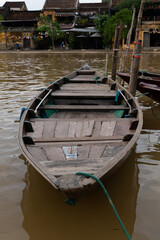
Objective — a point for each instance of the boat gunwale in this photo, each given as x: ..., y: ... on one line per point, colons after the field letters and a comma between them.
x: 120, y: 157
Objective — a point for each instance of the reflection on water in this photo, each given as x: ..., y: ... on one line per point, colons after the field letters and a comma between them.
x: 46, y: 214
x: 30, y: 208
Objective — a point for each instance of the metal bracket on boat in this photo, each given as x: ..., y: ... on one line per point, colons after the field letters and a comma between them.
x: 66, y: 80
x: 128, y: 137
x: 134, y: 125
x: 31, y: 113
x: 49, y: 91
x: 56, y: 86
x: 28, y: 126
x: 104, y: 80
x: 28, y: 140
x: 113, y: 86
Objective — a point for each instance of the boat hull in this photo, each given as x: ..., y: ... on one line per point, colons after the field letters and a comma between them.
x: 145, y: 84
x: 80, y: 123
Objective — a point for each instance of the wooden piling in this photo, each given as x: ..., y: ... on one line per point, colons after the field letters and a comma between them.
x: 136, y: 54
x: 106, y: 73
x: 117, y: 39
x: 135, y: 68
x: 129, y: 39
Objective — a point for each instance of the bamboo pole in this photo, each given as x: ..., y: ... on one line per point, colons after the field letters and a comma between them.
x: 135, y: 56
x: 117, y: 39
x: 128, y: 41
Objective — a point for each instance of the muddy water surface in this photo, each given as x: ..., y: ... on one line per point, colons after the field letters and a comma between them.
x: 30, y: 208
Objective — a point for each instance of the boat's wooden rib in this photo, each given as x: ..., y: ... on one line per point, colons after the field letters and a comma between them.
x: 77, y: 124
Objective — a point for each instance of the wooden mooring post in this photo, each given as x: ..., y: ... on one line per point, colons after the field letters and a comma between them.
x: 106, y: 73
x: 136, y: 54
x: 117, y: 39
x: 129, y: 39
x: 135, y: 68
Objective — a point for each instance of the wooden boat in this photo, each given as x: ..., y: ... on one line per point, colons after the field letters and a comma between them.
x: 152, y: 90
x: 80, y: 123
x: 145, y: 82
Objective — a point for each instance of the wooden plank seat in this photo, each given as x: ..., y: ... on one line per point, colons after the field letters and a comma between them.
x: 84, y: 95
x: 84, y: 107
x: 125, y: 120
x: 85, y: 81
x: 79, y: 139
x: 84, y: 87
x: 86, y: 72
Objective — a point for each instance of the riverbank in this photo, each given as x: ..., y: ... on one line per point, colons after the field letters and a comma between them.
x: 78, y: 51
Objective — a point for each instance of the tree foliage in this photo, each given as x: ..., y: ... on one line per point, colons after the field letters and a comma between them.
x: 100, y: 22
x: 1, y: 27
x: 107, y: 24
x: 129, y: 4
x: 51, y: 28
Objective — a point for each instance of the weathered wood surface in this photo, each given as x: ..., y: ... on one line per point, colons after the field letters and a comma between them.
x: 82, y: 134
x: 79, y: 139
x: 68, y: 128
x: 84, y: 87
x: 93, y: 94
x: 84, y: 107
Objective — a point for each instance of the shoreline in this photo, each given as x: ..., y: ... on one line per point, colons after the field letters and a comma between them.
x: 76, y: 51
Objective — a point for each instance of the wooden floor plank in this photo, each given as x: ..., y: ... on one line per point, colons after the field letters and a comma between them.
x: 54, y: 153
x: 75, y: 129
x: 107, y: 128
x: 96, y: 151
x: 87, y: 128
x: 61, y: 130
x: 38, y: 130
x: 49, y: 130
x: 71, y: 167
x: 83, y: 152
x: 37, y: 153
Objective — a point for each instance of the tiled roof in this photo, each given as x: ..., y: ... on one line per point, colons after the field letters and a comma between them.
x: 4, y: 11
x: 98, y: 7
x: 60, y: 4
x: 14, y: 4
x: 23, y: 16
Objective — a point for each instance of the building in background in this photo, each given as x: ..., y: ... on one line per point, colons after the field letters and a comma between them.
x: 16, y: 6
x: 76, y: 19
x: 150, y: 28
x: 18, y: 26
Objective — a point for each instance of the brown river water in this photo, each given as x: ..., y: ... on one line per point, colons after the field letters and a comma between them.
x: 29, y: 207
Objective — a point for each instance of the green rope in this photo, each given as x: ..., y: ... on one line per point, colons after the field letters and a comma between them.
x: 153, y: 113
x: 142, y: 94
x: 96, y: 79
x: 70, y: 202
x: 110, y: 201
